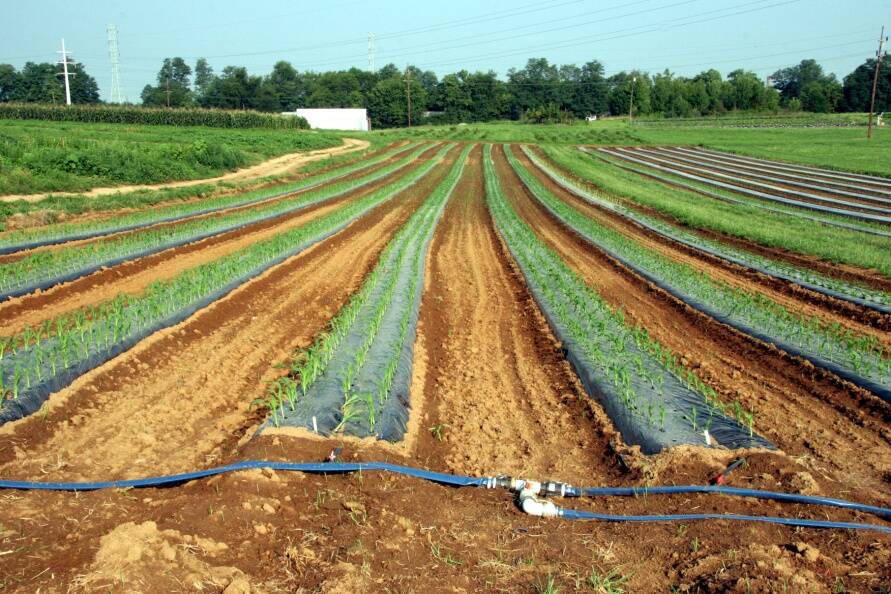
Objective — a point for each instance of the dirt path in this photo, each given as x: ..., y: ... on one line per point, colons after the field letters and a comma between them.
x: 180, y: 399
x: 806, y: 413
x: 275, y: 166
x: 495, y: 383
x: 134, y: 276
x: 790, y: 296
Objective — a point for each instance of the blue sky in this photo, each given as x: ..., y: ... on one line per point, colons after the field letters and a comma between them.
x: 685, y: 36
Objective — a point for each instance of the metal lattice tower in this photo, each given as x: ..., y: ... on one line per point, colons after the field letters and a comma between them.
x: 371, y: 52
x: 114, y: 57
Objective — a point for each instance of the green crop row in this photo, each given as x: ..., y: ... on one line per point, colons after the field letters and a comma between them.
x: 368, y: 308
x: 748, y: 222
x: 119, y: 114
x: 776, y: 267
x: 71, y: 339
x: 149, y: 216
x: 46, y: 265
x: 860, y: 353
x: 624, y: 356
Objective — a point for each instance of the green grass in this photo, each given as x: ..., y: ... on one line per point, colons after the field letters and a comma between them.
x: 833, y: 147
x: 42, y: 156
x: 773, y: 230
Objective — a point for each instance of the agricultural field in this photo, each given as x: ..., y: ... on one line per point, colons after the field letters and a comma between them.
x: 498, y: 358
x: 38, y: 156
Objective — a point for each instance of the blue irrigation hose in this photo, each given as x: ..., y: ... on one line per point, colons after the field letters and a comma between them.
x: 573, y: 514
x: 758, y: 494
x: 309, y: 467
x: 487, y: 482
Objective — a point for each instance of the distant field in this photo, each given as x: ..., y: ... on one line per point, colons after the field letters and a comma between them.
x: 43, y: 156
x: 837, y: 147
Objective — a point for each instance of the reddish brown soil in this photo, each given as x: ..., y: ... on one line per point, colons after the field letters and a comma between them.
x: 203, y: 375
x: 134, y: 276
x: 499, y: 395
x: 871, y: 278
x: 789, y: 295
x: 275, y: 532
x: 796, y: 407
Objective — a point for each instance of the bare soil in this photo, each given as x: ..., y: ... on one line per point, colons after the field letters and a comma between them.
x: 180, y: 401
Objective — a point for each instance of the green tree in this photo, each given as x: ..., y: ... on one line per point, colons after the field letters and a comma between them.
x: 203, y: 76
x: 857, y: 87
x: 535, y: 85
x: 619, y: 98
x: 233, y: 89
x: 173, y: 88
x: 791, y: 82
x: 9, y: 82
x: 388, y: 102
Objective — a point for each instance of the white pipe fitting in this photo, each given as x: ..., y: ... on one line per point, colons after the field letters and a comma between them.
x: 534, y: 506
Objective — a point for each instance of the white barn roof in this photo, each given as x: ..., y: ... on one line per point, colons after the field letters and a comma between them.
x: 334, y: 118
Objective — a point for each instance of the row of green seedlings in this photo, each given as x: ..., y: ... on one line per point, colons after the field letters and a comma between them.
x: 863, y: 354
x: 149, y: 216
x: 35, y: 354
x: 307, y: 365
x: 414, y: 235
x: 727, y: 251
x: 602, y: 333
x: 46, y: 265
x: 744, y: 199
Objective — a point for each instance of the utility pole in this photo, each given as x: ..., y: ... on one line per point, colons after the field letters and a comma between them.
x: 880, y: 55
x: 408, y: 92
x: 64, y: 63
x: 114, y: 58
x: 631, y: 101
x: 371, y: 52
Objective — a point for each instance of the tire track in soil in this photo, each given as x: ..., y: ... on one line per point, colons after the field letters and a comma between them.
x: 134, y: 276
x: 6, y: 258
x: 793, y: 298
x: 808, y: 414
x: 871, y: 278
x: 179, y: 400
x: 494, y: 378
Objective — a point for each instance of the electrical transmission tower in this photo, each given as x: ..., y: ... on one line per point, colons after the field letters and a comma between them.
x: 371, y: 52
x: 64, y: 62
x: 114, y: 57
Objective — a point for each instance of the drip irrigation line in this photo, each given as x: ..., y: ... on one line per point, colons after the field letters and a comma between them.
x: 455, y: 480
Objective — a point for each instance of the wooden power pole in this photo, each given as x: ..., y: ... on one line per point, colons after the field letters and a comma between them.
x: 880, y: 55
x: 408, y: 93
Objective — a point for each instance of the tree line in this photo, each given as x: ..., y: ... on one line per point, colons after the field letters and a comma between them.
x: 540, y: 91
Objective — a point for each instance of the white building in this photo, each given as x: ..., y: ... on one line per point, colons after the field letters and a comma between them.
x: 334, y: 118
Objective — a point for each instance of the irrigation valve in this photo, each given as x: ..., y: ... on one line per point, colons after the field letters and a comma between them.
x: 527, y: 492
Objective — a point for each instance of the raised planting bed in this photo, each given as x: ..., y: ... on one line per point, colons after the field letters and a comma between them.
x: 846, y: 209
x: 729, y: 197
x: 810, y: 279
x: 45, y: 269
x: 859, y: 359
x: 26, y: 239
x: 654, y: 402
x: 355, y: 378
x: 39, y: 362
